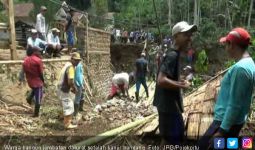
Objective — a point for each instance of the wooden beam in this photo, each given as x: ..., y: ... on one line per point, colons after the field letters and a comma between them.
x: 87, y: 37
x: 99, y: 52
x: 12, y: 31
x: 44, y: 60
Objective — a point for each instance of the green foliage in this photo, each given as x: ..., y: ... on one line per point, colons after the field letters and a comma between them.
x: 197, y: 81
x: 229, y: 63
x: 80, y: 4
x: 201, y: 65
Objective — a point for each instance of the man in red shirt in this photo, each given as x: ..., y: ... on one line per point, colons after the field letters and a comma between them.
x: 33, y: 68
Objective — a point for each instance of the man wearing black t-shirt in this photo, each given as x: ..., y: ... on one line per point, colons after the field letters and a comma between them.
x: 168, y: 99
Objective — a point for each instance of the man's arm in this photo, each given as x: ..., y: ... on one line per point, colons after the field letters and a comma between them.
x: 41, y: 71
x: 29, y: 43
x: 71, y: 79
x: 166, y: 71
x: 58, y: 41
x: 165, y: 82
x: 49, y: 41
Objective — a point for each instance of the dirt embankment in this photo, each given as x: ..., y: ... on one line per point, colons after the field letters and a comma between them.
x: 125, y: 55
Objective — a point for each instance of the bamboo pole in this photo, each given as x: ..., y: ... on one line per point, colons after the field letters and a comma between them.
x: 114, y: 132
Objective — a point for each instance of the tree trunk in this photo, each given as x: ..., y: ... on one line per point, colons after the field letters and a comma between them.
x: 188, y: 11
x: 170, y: 13
x: 228, y: 15
x: 196, y: 12
x: 250, y: 12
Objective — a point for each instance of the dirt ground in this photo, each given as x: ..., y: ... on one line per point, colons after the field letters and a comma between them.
x: 19, y: 127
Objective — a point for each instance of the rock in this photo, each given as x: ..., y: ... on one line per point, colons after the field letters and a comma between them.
x: 98, y: 108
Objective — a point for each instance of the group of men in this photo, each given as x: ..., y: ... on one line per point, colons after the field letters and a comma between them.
x: 49, y: 44
x: 234, y: 98
x: 71, y: 80
x: 232, y: 103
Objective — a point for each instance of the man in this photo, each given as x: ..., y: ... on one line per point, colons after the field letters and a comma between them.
x: 41, y: 24
x: 34, y: 41
x: 168, y: 99
x: 120, y: 82
x: 235, y: 95
x: 188, y: 73
x: 53, y: 41
x: 33, y: 69
x: 65, y: 86
x: 190, y: 56
x: 69, y: 28
x: 79, y: 83
x: 141, y: 71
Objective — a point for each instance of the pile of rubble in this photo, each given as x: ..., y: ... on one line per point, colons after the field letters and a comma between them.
x: 121, y: 110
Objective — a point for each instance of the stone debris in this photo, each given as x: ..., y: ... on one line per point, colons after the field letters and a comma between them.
x: 123, y: 109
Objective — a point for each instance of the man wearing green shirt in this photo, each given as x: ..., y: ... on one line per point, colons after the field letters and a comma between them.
x: 235, y: 95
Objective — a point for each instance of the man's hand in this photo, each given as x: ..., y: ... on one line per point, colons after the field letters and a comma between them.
x: 184, y: 84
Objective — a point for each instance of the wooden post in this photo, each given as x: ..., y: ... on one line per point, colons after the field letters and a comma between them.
x: 87, y: 37
x: 12, y: 30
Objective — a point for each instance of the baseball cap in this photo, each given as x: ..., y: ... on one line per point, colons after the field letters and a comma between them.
x: 238, y: 36
x: 55, y: 29
x: 43, y: 8
x: 187, y: 67
x: 143, y: 54
x: 75, y: 56
x: 33, y: 31
x: 183, y: 26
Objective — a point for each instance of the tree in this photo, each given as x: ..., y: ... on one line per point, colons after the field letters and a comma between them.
x: 170, y: 13
x: 250, y: 12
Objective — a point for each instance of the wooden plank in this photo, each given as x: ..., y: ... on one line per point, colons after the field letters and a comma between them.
x: 44, y: 60
x: 3, y: 28
x: 87, y: 37
x: 98, y: 30
x: 3, y: 24
x: 12, y: 32
x: 99, y: 52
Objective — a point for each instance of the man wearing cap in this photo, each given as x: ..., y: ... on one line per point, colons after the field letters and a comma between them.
x: 79, y: 95
x: 33, y: 69
x: 41, y: 24
x: 140, y: 73
x: 54, y: 47
x: 235, y: 96
x: 34, y: 41
x: 168, y: 98
x: 69, y: 28
x: 64, y: 88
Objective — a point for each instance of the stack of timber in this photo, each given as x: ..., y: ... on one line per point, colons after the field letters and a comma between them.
x: 199, y: 107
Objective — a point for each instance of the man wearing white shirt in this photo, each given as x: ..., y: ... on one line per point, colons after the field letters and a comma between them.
x: 35, y: 42
x: 41, y: 24
x: 120, y: 83
x: 54, y: 47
